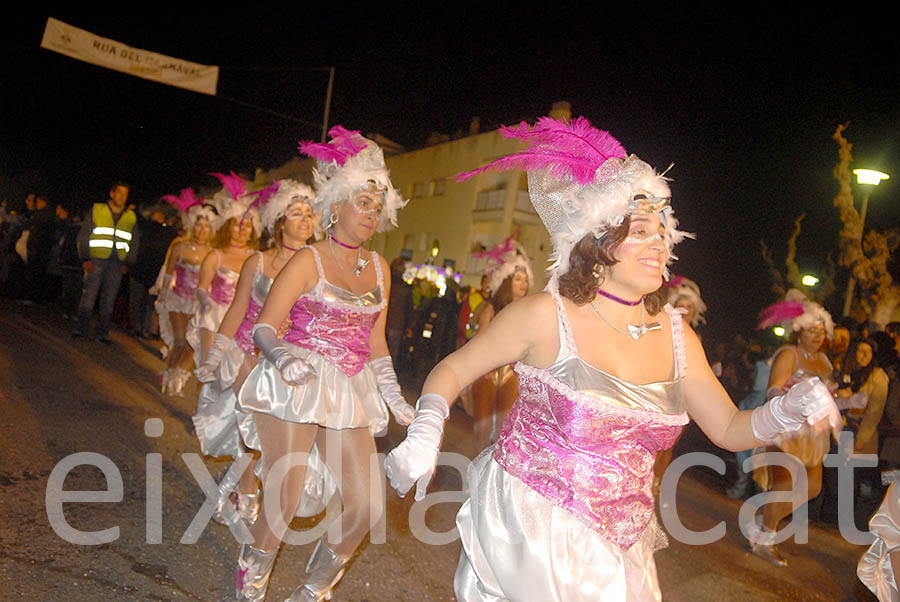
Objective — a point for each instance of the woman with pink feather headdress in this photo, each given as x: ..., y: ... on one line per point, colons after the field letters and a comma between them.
x: 803, y: 360
x: 561, y: 507
x: 509, y: 276
x: 328, y: 384
x: 177, y: 299
x: 286, y: 216
x: 237, y: 236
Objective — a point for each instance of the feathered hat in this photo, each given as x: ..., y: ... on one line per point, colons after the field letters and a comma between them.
x: 797, y: 313
x: 191, y: 208
x: 346, y: 165
x: 286, y: 193
x: 233, y: 201
x: 502, y: 262
x: 581, y: 181
x: 679, y: 287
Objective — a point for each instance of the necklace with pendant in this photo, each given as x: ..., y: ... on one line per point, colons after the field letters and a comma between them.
x: 360, y: 262
x: 808, y: 355
x: 633, y: 331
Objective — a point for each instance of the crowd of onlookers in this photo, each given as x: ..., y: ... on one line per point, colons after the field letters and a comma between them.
x: 865, y: 360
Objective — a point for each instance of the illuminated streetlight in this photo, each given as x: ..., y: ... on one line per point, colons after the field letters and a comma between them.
x: 870, y: 178
x: 779, y: 331
x: 809, y: 280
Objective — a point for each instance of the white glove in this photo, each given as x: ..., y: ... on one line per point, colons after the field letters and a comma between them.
x: 414, y: 460
x: 206, y: 373
x: 390, y: 390
x: 204, y: 299
x: 807, y: 402
x: 166, y: 288
x: 294, y: 370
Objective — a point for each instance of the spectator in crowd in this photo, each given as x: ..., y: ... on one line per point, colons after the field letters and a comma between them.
x: 399, y: 314
x: 70, y: 265
x: 43, y: 233
x: 107, y: 244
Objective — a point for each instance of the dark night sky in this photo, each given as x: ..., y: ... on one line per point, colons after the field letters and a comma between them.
x: 744, y: 107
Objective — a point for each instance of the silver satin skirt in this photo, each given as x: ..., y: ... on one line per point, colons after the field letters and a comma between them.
x: 176, y: 304
x: 332, y: 399
x: 214, y: 420
x: 519, y: 547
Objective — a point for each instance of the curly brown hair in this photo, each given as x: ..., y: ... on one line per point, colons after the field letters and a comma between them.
x: 579, y: 284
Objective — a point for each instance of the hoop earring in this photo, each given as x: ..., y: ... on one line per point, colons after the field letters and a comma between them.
x: 332, y: 220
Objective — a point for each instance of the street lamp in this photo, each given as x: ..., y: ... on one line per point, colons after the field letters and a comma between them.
x: 870, y: 178
x: 809, y: 280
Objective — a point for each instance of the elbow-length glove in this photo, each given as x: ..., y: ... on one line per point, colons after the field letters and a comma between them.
x: 206, y: 373
x: 807, y: 402
x: 390, y: 390
x: 165, y: 288
x: 414, y: 460
x: 294, y: 370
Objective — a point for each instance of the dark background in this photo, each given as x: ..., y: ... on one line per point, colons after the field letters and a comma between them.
x: 745, y: 106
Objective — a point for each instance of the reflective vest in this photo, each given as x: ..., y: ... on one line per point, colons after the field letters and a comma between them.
x: 108, y: 234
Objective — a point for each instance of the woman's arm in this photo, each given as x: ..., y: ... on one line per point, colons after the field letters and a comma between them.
x: 709, y: 404
x: 783, y: 366
x: 516, y: 333
x: 208, y: 270
x: 238, y: 308
x: 173, y: 254
x: 876, y: 387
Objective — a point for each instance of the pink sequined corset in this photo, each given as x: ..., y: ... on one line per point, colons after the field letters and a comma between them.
x: 221, y: 290
x: 186, y: 277
x: 243, y: 336
x: 589, y: 456
x: 340, y: 335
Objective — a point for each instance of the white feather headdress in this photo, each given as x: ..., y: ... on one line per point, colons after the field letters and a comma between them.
x: 288, y: 193
x: 502, y: 262
x: 581, y: 181
x: 233, y: 201
x: 346, y: 165
x: 679, y: 288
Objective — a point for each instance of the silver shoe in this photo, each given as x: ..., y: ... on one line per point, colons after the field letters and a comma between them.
x: 323, y: 571
x: 248, y: 506
x: 252, y: 576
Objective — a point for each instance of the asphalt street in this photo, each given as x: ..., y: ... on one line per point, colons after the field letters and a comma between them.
x: 61, y: 396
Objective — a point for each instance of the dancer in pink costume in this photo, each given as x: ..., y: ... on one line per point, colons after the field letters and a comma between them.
x: 509, y: 276
x: 287, y: 217
x: 177, y: 300
x: 324, y: 387
x: 237, y: 236
x: 561, y: 506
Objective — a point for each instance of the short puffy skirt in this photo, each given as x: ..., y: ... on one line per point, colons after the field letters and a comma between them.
x: 176, y: 304
x: 214, y: 421
x: 208, y: 319
x: 332, y: 399
x: 519, y: 546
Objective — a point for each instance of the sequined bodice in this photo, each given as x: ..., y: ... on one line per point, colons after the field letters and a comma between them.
x: 336, y: 323
x: 261, y: 285
x: 587, y: 440
x: 186, y: 278
x: 223, y: 284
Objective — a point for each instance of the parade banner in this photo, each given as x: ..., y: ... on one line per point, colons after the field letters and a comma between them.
x: 85, y: 46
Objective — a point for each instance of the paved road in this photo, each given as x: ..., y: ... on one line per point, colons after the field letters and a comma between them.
x: 59, y: 396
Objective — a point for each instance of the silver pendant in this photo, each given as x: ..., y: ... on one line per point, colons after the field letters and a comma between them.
x: 637, y: 332
x: 360, y: 266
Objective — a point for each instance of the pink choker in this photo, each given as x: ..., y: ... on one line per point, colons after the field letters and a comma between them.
x: 603, y: 293
x: 346, y: 246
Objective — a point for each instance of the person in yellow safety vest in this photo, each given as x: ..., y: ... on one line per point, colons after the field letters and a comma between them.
x: 107, y: 245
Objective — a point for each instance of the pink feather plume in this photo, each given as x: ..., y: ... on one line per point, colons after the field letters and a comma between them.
x: 344, y: 144
x: 779, y: 313
x: 674, y: 280
x: 233, y: 183
x: 263, y: 196
x: 574, y: 149
x: 184, y: 201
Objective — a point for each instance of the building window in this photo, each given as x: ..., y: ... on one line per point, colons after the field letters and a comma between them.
x: 421, y: 189
x: 489, y: 200
x: 438, y: 187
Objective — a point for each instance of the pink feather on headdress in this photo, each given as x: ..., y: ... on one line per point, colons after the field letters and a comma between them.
x: 576, y: 149
x: 779, y: 313
x: 674, y: 280
x: 263, y: 196
x: 184, y: 201
x: 233, y: 183
x: 344, y: 144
